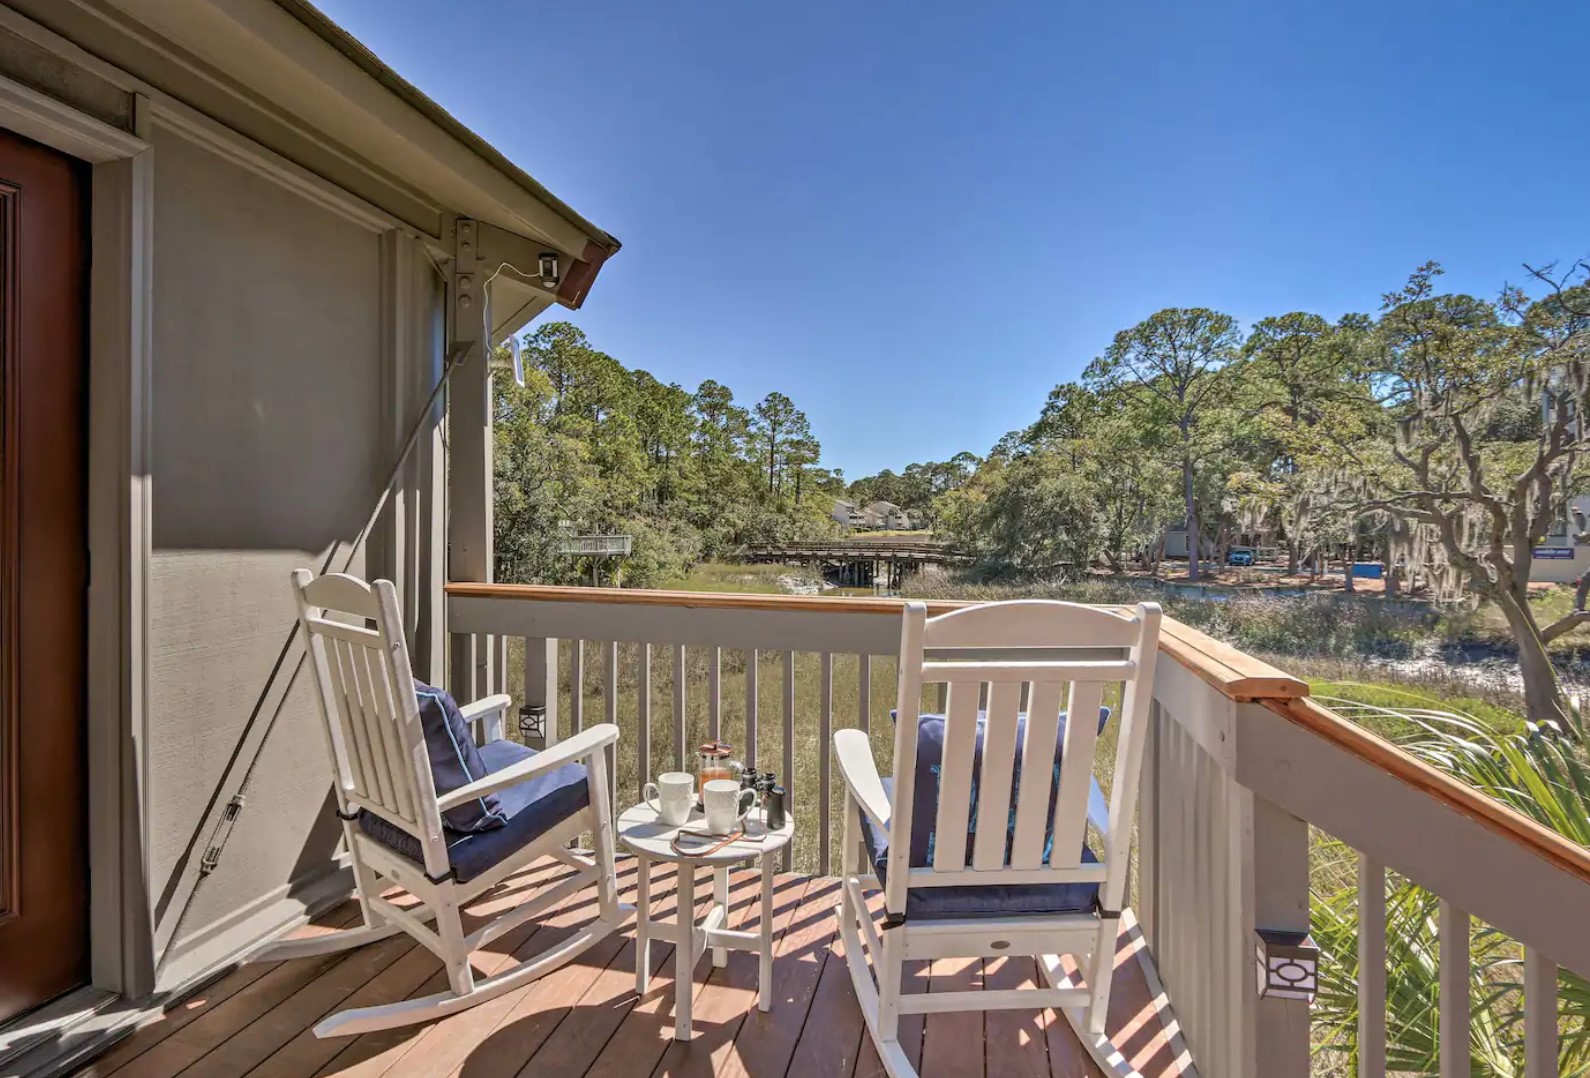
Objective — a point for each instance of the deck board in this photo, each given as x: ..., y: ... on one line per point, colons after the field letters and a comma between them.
x: 727, y: 997
x: 585, y: 1018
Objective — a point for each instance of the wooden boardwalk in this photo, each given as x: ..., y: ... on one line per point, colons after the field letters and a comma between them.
x: 585, y: 1018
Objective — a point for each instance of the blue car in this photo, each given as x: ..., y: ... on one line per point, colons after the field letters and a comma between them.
x: 1240, y: 556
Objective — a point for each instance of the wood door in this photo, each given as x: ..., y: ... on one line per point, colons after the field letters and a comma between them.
x: 43, y: 575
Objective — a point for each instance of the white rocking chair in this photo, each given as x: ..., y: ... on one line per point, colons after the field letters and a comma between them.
x: 990, y: 860
x: 392, y: 816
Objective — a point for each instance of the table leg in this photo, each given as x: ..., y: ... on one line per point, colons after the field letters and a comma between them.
x: 642, y: 924
x: 720, y: 895
x: 764, y: 972
x: 685, y: 951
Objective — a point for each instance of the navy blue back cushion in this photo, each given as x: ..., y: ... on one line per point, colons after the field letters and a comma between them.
x: 925, y: 789
x: 455, y: 761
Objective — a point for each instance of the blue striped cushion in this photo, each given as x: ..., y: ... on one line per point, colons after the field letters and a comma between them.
x: 925, y: 790
x: 455, y: 761
x: 980, y: 900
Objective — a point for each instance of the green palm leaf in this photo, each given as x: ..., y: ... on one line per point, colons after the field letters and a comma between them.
x: 1542, y: 774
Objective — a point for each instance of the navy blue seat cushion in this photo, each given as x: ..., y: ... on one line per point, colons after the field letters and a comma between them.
x: 455, y: 761
x: 972, y: 901
x: 529, y: 809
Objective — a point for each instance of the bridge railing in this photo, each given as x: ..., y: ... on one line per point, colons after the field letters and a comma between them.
x: 861, y: 549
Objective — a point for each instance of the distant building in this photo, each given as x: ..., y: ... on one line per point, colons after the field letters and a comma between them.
x: 1564, y: 554
x: 878, y: 516
x: 1176, y: 542
x: 887, y: 515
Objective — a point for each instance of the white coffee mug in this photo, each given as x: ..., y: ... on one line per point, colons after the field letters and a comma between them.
x: 726, y: 805
x: 671, y: 796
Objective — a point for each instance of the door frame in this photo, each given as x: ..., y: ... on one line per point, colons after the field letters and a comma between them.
x: 121, y: 220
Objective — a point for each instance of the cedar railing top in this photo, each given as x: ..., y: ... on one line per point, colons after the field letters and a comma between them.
x: 1236, y: 675
x: 1484, y: 810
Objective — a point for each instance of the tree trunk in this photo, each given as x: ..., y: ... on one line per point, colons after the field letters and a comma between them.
x: 1543, y: 699
x: 1192, y: 516
x: 1293, y: 552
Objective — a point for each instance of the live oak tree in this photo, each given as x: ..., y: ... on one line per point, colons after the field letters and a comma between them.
x: 1297, y: 376
x: 1479, y: 427
x: 1173, y: 359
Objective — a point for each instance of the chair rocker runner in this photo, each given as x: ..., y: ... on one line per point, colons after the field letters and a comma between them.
x: 980, y: 841
x: 501, y: 807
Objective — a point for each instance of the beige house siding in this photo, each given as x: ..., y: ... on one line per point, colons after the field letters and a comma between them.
x: 274, y: 254
x: 266, y: 447
x: 183, y: 76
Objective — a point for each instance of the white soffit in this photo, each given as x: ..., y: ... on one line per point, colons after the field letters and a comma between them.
x: 276, y: 56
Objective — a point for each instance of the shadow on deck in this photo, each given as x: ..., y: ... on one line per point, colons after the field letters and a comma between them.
x: 585, y: 1019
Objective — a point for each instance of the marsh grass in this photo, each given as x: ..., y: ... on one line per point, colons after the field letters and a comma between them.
x: 1321, y: 625
x: 723, y: 577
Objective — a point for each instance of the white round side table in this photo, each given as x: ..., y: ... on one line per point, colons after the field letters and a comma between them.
x: 649, y: 839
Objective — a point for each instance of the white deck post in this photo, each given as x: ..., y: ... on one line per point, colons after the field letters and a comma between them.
x: 541, y: 686
x: 469, y: 448
x: 1280, y: 903
x: 406, y: 546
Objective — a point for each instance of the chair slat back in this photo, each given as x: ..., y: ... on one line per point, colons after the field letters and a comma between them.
x: 368, y: 704
x: 1010, y: 670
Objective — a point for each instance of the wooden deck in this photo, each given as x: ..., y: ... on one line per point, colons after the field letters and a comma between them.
x: 585, y: 1018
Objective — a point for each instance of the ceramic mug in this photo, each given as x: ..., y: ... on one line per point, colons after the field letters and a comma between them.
x: 726, y: 804
x: 671, y: 796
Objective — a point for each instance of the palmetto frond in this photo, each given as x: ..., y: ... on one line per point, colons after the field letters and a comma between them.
x: 1543, y: 774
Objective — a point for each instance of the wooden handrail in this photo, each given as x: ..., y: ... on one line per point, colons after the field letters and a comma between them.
x: 1237, y: 676
x: 692, y: 600
x: 1484, y: 810
x: 1235, y: 673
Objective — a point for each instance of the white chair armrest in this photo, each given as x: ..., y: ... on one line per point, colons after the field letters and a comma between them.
x: 853, y: 754
x: 583, y: 744
x: 1098, y: 811
x: 489, y: 712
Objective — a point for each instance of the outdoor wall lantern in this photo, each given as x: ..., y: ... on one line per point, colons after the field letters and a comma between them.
x: 533, y: 723
x: 549, y: 269
x: 1288, y: 965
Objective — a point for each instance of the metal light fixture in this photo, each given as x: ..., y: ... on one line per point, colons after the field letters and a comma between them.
x: 550, y: 277
x: 1288, y: 965
x: 533, y: 724
x: 516, y: 353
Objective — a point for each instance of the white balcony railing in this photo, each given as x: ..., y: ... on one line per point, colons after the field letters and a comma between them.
x: 1240, y: 765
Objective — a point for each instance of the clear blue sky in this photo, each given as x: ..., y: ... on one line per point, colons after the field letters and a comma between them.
x: 916, y: 218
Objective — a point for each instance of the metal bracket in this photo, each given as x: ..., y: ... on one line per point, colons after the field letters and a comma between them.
x: 468, y: 293
x: 223, y: 831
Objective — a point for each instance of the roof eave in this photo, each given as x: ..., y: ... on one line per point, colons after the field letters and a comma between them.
x: 604, y: 244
